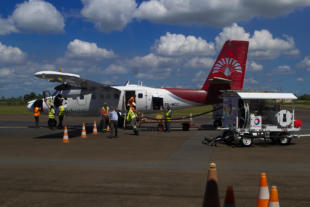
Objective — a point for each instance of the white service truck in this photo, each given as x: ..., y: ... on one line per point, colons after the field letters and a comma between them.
x: 259, y: 115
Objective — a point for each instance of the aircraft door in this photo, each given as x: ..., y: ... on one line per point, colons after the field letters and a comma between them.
x: 141, y: 100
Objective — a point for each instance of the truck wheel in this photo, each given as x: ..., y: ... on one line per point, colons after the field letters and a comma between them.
x: 246, y: 142
x: 284, y: 141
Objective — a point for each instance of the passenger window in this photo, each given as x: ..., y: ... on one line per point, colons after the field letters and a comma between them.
x: 140, y: 95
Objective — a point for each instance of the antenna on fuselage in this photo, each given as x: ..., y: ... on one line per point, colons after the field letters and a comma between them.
x: 126, y: 83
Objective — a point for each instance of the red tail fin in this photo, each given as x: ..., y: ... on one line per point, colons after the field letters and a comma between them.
x: 229, y: 68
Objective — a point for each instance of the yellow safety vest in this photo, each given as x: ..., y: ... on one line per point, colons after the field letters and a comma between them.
x: 169, y: 115
x: 130, y: 115
x: 51, y: 114
x: 61, y: 111
x: 105, y: 111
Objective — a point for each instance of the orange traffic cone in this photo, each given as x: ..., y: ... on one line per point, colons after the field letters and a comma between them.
x: 83, y: 135
x: 108, y: 128
x: 274, y: 197
x: 263, y: 193
x: 211, y: 196
x: 229, y: 198
x: 95, y: 128
x: 65, y: 138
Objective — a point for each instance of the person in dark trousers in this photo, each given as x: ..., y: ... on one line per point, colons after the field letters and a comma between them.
x: 36, y: 114
x: 168, y: 116
x: 113, y: 120
x: 51, y: 118
x: 105, y: 117
x: 61, y: 115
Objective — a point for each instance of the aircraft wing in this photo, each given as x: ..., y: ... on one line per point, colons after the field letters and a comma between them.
x: 73, y: 80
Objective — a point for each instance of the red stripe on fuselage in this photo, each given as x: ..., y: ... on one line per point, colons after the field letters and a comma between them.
x: 194, y: 95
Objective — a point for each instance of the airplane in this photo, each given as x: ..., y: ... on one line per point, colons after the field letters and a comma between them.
x: 85, y: 98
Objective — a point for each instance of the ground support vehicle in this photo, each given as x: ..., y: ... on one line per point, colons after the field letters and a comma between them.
x: 259, y: 115
x: 187, y: 122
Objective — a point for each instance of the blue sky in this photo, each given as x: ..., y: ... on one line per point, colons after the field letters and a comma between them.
x: 170, y: 43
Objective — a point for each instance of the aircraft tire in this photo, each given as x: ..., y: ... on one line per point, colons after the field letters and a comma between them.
x: 285, y: 141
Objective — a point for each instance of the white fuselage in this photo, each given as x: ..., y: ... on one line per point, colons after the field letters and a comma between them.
x: 147, y: 99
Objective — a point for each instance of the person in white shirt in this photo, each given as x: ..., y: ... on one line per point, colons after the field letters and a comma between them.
x: 113, y: 121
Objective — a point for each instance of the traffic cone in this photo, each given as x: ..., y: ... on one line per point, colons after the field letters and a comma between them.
x: 274, y: 197
x: 65, y: 138
x: 95, y: 128
x: 211, y: 196
x: 263, y: 193
x: 229, y: 198
x: 83, y: 135
x: 108, y: 128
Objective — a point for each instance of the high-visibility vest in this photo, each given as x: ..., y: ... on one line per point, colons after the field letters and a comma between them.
x: 169, y: 115
x: 51, y: 114
x: 130, y: 115
x: 61, y: 111
x: 36, y: 111
x: 105, y: 111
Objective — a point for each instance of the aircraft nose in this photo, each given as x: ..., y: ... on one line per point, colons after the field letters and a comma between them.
x: 30, y: 105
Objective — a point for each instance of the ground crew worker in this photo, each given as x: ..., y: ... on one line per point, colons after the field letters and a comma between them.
x: 131, y: 102
x: 61, y: 115
x: 168, y: 116
x: 132, y: 118
x: 51, y: 117
x: 113, y: 121
x: 36, y: 114
x: 105, y: 117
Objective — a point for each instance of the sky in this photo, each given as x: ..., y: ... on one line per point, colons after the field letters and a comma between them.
x: 163, y: 43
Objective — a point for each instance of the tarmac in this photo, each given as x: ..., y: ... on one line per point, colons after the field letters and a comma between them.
x: 153, y: 169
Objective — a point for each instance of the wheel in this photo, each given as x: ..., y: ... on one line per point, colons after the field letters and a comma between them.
x: 160, y: 127
x: 246, y: 142
x: 217, y: 123
x: 185, y: 126
x: 284, y: 141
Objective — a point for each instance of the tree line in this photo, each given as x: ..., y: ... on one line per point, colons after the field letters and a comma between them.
x: 21, y: 100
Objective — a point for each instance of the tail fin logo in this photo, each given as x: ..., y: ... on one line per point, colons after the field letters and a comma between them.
x: 227, y: 66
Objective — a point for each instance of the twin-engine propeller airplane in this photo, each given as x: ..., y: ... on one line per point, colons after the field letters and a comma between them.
x: 85, y: 97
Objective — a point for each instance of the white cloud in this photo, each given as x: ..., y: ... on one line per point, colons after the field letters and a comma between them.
x: 197, y: 62
x: 11, y: 55
x: 200, y: 77
x: 262, y: 43
x: 181, y: 45
x: 7, y: 26
x: 283, y: 70
x: 109, y: 15
x: 250, y: 81
x: 5, y: 72
x: 305, y: 63
x: 300, y: 79
x: 82, y: 49
x: 38, y: 16
x: 253, y: 66
x: 153, y: 61
x: 213, y: 12
x: 116, y: 69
